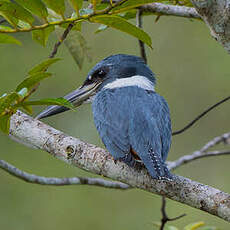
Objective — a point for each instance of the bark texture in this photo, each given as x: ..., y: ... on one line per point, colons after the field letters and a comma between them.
x: 97, y: 160
x: 216, y: 14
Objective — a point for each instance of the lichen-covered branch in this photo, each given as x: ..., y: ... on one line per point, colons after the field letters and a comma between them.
x: 167, y: 9
x: 171, y: 10
x: 224, y: 138
x: 203, y: 152
x: 31, y: 178
x: 97, y: 160
x: 195, y: 156
x: 216, y: 14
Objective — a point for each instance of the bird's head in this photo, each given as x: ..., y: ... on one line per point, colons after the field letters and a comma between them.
x: 114, y: 71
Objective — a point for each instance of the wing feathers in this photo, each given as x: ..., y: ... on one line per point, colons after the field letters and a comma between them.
x: 131, y: 118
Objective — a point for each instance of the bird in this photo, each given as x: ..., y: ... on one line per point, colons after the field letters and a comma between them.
x: 133, y: 121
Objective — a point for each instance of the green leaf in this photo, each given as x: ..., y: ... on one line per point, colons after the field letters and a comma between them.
x: 42, y: 67
x: 23, y: 92
x: 7, y: 101
x: 41, y: 36
x: 77, y: 46
x: 85, y: 11
x: 14, y: 11
x: 31, y: 81
x: 3, y: 95
x: 58, y: 6
x: 5, y: 38
x: 124, y: 26
x: 49, y: 101
x: 130, y: 5
x: 102, y: 6
x: 53, y: 16
x: 23, y: 24
x: 76, y: 4
x: 4, y: 12
x: 5, y: 123
x: 194, y: 226
x: 101, y: 28
x: 7, y: 28
x: 36, y: 7
x: 94, y: 3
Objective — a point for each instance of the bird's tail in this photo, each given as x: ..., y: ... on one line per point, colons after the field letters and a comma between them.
x: 156, y: 167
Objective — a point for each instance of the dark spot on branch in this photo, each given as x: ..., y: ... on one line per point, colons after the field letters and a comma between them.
x: 70, y: 151
x: 202, y: 205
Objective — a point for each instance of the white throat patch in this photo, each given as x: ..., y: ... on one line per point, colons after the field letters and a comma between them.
x: 137, y: 80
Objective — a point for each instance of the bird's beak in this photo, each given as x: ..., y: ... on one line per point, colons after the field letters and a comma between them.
x: 77, y: 97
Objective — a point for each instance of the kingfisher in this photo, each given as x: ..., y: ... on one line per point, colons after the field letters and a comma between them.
x: 132, y: 120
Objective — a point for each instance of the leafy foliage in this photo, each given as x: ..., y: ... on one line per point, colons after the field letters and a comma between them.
x: 9, y: 103
x: 36, y: 7
x: 5, y: 38
x: 77, y: 46
x: 41, y: 18
x: 123, y: 25
x: 21, y: 16
x: 41, y: 36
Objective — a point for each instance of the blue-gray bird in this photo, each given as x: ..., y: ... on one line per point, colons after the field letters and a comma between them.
x: 132, y: 120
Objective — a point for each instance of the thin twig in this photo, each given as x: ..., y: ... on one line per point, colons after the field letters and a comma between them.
x: 165, y: 217
x: 31, y: 178
x: 172, y: 165
x: 202, y: 153
x: 139, y: 22
x: 63, y: 37
x: 71, y: 25
x: 225, y: 138
x: 200, y: 116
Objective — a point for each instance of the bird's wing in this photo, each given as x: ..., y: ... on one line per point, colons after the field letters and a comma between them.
x: 111, y: 115
x: 150, y: 131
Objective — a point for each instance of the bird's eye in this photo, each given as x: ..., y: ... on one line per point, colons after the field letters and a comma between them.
x: 100, y: 73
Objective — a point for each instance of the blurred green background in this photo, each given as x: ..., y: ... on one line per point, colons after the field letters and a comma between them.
x: 192, y: 73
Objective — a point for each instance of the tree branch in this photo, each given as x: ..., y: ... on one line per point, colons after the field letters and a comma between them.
x: 96, y: 160
x: 194, y: 156
x: 216, y: 14
x: 225, y: 138
x: 167, y: 9
x: 139, y: 22
x: 165, y: 217
x: 31, y: 178
x: 65, y: 21
x: 62, y: 38
x: 171, y: 10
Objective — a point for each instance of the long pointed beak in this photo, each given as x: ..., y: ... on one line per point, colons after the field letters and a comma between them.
x: 77, y: 97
